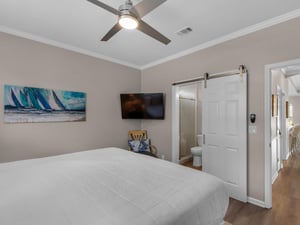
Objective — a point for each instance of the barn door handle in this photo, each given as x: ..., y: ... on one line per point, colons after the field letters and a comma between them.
x: 204, y: 139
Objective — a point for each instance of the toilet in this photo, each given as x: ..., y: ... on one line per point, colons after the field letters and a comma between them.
x: 197, y: 152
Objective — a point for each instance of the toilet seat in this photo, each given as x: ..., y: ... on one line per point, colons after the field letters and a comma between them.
x: 197, y: 150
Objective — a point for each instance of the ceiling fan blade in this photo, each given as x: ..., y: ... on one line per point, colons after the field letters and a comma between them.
x: 115, y: 29
x: 147, y: 29
x: 146, y: 6
x: 106, y: 7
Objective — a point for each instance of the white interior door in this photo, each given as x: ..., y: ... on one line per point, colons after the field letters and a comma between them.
x: 224, y: 121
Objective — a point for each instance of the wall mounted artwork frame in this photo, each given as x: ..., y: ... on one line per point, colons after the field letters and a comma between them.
x: 30, y: 104
x: 274, y: 105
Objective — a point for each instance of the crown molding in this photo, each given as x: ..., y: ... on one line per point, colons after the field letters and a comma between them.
x: 47, y: 41
x: 251, y: 29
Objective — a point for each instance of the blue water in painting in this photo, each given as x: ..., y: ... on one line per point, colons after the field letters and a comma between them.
x: 12, y: 116
x: 28, y: 104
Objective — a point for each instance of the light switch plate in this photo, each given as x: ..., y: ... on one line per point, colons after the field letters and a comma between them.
x: 252, y: 129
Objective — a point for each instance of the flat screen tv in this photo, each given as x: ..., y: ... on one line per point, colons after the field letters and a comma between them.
x: 142, y: 106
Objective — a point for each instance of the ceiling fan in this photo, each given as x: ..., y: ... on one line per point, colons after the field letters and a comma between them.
x: 130, y: 18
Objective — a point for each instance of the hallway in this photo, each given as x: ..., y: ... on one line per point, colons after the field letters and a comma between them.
x: 286, y: 201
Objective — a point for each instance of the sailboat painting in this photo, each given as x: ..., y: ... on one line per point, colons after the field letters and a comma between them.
x: 30, y: 104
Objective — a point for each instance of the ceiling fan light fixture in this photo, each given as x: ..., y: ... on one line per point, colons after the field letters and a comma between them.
x: 128, y: 22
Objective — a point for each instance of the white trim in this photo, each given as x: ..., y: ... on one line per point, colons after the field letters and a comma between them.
x: 256, y: 202
x: 175, y: 124
x: 287, y: 155
x: 231, y: 36
x: 64, y: 46
x: 268, y: 163
x: 186, y: 159
x: 274, y: 177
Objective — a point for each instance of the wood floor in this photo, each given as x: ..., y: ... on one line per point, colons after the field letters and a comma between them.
x: 286, y: 201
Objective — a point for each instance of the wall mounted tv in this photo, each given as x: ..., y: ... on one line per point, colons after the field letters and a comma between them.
x: 142, y: 106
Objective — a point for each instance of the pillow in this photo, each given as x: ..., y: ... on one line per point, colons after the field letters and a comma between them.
x: 139, y: 145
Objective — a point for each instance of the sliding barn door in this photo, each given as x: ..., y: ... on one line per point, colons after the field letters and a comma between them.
x: 225, y: 128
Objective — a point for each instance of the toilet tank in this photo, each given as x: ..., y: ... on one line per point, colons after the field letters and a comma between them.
x: 200, y: 139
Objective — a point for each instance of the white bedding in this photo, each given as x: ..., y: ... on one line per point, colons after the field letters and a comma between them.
x: 108, y: 186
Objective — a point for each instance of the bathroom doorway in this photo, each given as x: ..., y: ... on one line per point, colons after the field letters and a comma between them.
x: 190, y: 119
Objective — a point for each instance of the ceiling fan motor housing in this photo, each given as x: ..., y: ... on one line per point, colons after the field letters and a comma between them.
x: 126, y: 7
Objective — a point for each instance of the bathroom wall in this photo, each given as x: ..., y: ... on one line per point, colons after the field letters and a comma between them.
x: 187, y: 123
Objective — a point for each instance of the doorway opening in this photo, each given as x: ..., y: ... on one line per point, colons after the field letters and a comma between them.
x: 190, y: 120
x: 279, y: 89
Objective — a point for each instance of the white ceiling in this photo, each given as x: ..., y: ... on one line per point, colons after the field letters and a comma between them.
x: 79, y: 25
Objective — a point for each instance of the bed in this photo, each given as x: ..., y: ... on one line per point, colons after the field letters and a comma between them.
x: 108, y: 186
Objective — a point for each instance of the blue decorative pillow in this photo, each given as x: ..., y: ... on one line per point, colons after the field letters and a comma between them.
x: 139, y: 145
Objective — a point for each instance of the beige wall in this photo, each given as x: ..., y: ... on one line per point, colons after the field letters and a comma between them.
x: 28, y: 63
x: 275, y: 44
x: 295, y: 101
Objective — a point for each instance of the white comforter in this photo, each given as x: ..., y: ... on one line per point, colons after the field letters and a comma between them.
x: 108, y: 186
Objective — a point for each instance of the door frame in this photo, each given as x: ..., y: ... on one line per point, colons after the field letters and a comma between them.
x: 175, y: 124
x: 267, y: 109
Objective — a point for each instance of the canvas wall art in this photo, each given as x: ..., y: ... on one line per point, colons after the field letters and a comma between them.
x: 30, y: 104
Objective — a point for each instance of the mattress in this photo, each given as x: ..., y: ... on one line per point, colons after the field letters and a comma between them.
x: 108, y: 186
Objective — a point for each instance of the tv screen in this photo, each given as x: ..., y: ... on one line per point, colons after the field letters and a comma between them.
x: 142, y: 106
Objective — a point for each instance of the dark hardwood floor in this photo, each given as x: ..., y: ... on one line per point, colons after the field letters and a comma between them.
x: 286, y: 200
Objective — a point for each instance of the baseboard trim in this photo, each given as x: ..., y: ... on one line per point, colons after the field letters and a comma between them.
x: 186, y: 158
x: 274, y: 177
x: 256, y: 202
x: 288, y: 155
